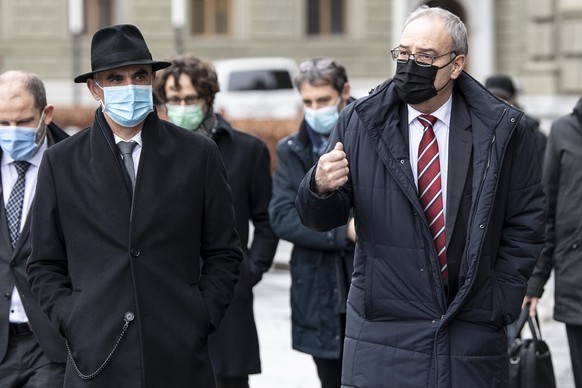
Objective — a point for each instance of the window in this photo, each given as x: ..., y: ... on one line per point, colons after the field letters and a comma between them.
x: 325, y: 17
x: 210, y: 17
x: 259, y: 80
x: 98, y: 14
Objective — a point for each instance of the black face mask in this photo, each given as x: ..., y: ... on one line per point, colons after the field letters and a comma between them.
x: 415, y: 84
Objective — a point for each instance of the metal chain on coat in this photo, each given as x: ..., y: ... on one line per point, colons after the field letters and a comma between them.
x: 127, y: 319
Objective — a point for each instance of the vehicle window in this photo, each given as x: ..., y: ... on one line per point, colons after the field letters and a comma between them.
x: 259, y: 80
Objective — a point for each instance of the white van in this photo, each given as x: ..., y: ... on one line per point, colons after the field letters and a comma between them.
x: 257, y: 88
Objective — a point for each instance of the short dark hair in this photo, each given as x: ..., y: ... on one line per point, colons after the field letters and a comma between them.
x: 322, y: 71
x: 201, y: 73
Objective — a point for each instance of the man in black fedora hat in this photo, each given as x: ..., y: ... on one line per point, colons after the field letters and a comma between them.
x: 134, y: 250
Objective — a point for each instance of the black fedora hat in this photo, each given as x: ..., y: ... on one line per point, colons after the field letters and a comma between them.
x: 117, y: 46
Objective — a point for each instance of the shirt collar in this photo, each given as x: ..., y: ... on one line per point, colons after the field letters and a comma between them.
x: 443, y: 113
x: 136, y: 138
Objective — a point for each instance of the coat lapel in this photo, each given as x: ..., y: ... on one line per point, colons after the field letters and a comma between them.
x: 460, y: 147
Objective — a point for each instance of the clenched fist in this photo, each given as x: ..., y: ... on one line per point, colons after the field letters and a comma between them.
x: 332, y: 170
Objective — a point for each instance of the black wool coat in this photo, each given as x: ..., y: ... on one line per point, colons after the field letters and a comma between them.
x: 234, y: 347
x: 135, y: 283
x: 402, y: 331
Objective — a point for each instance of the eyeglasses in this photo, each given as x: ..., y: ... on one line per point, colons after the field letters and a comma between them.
x: 188, y: 100
x: 424, y: 60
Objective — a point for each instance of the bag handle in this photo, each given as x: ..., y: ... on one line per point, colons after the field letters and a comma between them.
x: 520, y: 323
x: 534, y: 325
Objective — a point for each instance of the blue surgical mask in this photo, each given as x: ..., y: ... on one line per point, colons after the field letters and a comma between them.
x: 323, y: 120
x: 127, y: 105
x: 20, y: 142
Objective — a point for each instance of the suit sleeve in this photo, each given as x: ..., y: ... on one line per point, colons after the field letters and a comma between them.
x: 47, y: 264
x: 523, y: 232
x: 264, y: 244
x: 545, y: 264
x: 220, y: 245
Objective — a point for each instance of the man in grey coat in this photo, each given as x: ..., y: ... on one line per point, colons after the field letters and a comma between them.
x: 563, y: 186
x: 449, y: 215
x: 134, y: 251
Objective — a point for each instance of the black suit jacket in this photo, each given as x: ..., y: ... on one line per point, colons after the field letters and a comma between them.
x: 13, y: 272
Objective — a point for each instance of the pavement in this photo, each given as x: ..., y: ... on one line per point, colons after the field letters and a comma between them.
x: 284, y: 367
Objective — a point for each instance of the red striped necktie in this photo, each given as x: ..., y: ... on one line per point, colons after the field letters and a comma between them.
x: 430, y: 189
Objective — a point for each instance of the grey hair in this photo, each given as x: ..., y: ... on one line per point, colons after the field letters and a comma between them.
x: 322, y: 71
x: 456, y: 27
x: 31, y: 82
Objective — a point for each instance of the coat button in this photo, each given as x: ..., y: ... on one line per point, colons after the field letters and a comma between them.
x: 482, y: 226
x: 129, y: 316
x: 575, y: 246
x: 7, y: 295
x: 135, y: 252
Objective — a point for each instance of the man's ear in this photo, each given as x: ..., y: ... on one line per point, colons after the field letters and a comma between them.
x: 48, y: 114
x: 346, y: 89
x: 95, y: 90
x: 458, y: 66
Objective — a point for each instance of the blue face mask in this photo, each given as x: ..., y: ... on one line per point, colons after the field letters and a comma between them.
x: 20, y: 142
x: 323, y: 120
x: 127, y: 105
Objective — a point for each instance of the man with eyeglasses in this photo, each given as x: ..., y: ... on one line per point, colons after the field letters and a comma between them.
x: 135, y: 255
x: 321, y: 263
x: 32, y: 353
x: 188, y: 88
x: 449, y: 212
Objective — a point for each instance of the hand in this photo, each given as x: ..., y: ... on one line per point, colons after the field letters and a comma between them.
x: 332, y: 170
x: 533, y: 304
x: 351, y: 231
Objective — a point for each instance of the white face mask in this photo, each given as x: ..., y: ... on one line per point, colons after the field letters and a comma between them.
x: 127, y: 105
x: 323, y: 120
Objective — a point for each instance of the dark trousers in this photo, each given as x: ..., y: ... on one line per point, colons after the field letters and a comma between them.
x: 26, y: 366
x: 329, y: 372
x: 575, y: 343
x: 232, y: 382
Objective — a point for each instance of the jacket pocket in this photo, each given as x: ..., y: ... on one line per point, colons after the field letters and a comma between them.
x: 67, y: 310
x: 200, y: 307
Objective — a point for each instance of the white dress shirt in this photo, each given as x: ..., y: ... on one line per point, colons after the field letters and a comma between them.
x: 441, y: 131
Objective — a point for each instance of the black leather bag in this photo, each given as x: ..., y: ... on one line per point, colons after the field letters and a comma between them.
x: 530, y: 361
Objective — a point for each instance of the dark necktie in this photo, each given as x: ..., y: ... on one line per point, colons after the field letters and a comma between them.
x: 126, y: 149
x: 430, y: 190
x: 14, y: 206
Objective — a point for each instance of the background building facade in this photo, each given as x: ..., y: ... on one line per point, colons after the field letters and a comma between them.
x: 538, y: 42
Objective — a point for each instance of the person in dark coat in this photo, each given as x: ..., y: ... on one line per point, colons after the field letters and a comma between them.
x: 134, y: 258
x: 321, y: 263
x: 32, y: 353
x: 188, y: 89
x: 562, y: 183
x: 503, y: 87
x: 427, y: 309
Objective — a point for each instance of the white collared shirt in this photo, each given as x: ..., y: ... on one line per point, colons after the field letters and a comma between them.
x: 441, y: 131
x: 136, y: 153
x: 9, y: 177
